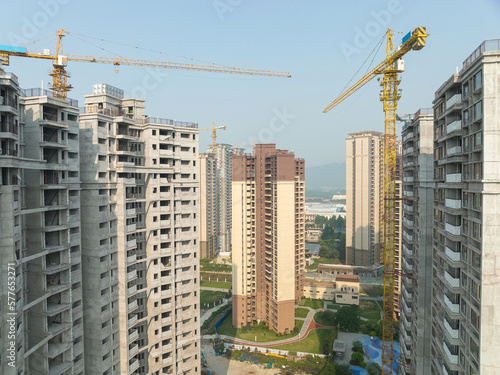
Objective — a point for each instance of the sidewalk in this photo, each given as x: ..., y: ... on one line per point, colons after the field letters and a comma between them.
x: 309, y: 324
x: 209, y: 312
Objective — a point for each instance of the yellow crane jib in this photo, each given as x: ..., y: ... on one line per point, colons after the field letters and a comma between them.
x: 60, y: 61
x: 389, y: 68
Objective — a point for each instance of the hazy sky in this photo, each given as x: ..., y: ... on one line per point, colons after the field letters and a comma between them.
x: 321, y: 43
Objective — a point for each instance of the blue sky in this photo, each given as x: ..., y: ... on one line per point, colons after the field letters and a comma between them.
x: 321, y: 43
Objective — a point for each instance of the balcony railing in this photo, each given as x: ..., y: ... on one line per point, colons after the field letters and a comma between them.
x: 453, y: 203
x: 453, y: 307
x: 454, y: 282
x: 452, y: 229
x: 453, y: 255
x: 454, y: 177
x: 452, y: 126
x: 453, y: 333
x: 9, y: 127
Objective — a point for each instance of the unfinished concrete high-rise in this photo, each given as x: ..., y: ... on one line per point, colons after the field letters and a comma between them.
x: 268, y: 237
x: 209, y: 208
x: 41, y: 297
x: 416, y: 254
x: 215, y: 198
x: 466, y: 261
x: 140, y: 215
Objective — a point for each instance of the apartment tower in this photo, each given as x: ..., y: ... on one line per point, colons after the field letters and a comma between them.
x: 41, y: 297
x: 209, y: 208
x: 364, y: 186
x: 466, y: 261
x: 268, y: 237
x: 140, y: 244
x: 416, y: 254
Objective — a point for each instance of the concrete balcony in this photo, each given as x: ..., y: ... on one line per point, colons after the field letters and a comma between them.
x: 167, y: 361
x: 406, y: 265
x: 134, y: 349
x: 452, y: 151
x: 455, y: 99
x: 166, y: 320
x: 131, y: 244
x: 133, y: 366
x: 454, y: 177
x: 132, y: 275
x: 408, y: 136
x: 452, y: 281
x: 454, y: 256
x: 133, y: 336
x: 408, y: 179
x: 453, y: 307
x: 453, y: 203
x: 408, y: 193
x: 408, y: 294
x: 132, y: 306
x: 408, y: 222
x: 408, y: 237
x: 407, y: 251
x: 408, y: 150
x: 452, y: 229
x: 131, y: 259
x: 452, y: 358
x: 132, y: 290
x: 130, y: 228
x: 452, y: 126
x: 131, y: 212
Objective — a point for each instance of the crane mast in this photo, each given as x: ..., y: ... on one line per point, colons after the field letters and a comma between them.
x: 214, y: 134
x: 60, y: 76
x: 389, y: 96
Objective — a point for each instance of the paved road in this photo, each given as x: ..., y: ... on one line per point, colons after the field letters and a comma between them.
x: 223, y: 366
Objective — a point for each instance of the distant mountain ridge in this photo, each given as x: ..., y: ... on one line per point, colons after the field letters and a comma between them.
x: 325, y: 176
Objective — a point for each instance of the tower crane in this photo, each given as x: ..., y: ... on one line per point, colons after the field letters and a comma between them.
x: 389, y: 68
x: 60, y: 76
x: 214, y: 134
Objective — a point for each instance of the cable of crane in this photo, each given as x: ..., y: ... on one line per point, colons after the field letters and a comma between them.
x: 96, y: 46
x: 36, y: 41
x: 375, y: 54
x: 147, y: 49
x: 378, y: 44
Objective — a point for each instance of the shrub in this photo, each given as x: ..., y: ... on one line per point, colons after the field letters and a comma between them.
x: 357, y: 347
x: 356, y: 358
x: 363, y: 364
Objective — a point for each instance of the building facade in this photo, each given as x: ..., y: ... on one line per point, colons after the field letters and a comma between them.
x: 416, y: 254
x: 364, y: 179
x: 208, y: 206
x: 216, y: 192
x: 140, y: 211
x: 40, y: 232
x: 268, y: 237
x: 466, y: 264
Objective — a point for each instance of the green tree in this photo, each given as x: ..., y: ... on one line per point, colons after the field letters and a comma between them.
x: 329, y: 369
x: 374, y: 368
x: 320, y: 221
x: 357, y: 346
x: 348, y: 318
x: 342, y: 369
x: 356, y: 358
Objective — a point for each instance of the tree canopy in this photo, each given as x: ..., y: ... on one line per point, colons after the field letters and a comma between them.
x: 348, y: 318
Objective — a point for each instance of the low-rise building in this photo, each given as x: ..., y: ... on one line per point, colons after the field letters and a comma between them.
x: 342, y: 269
x: 345, y: 289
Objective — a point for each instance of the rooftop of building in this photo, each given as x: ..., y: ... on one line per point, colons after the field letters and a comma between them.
x: 347, y: 278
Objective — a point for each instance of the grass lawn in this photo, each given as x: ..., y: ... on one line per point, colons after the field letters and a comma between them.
x: 216, y: 284
x: 312, y: 343
x: 312, y: 303
x: 321, y: 318
x: 369, y: 310
x: 263, y: 334
x: 210, y: 296
x: 301, y: 313
x: 335, y: 306
x: 372, y: 290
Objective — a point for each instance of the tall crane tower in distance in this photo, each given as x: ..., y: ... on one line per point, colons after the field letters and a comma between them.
x: 214, y: 134
x: 390, y: 68
x: 60, y: 76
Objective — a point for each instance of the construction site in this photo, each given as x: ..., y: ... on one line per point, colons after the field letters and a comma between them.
x: 128, y: 249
